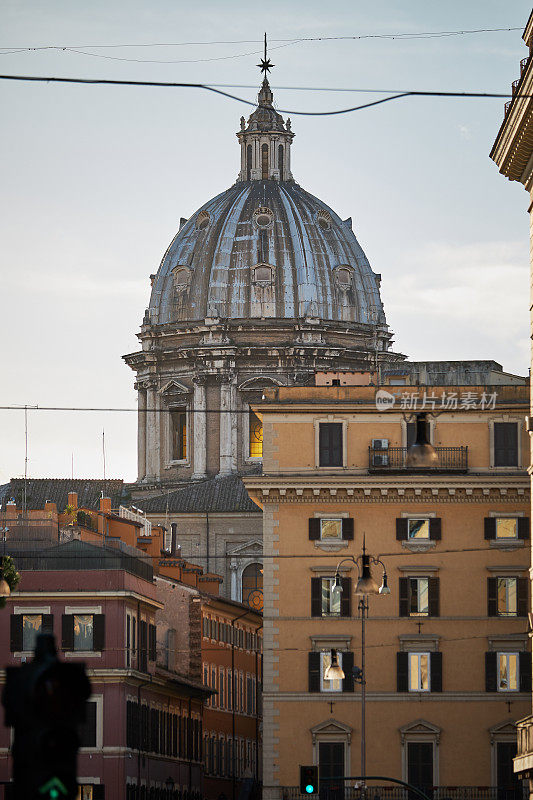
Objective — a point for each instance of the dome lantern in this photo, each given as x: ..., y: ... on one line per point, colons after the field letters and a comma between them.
x: 265, y: 139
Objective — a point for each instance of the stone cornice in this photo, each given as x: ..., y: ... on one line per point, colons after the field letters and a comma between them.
x: 412, y: 489
x: 514, y: 144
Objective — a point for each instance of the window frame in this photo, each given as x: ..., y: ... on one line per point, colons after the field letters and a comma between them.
x: 492, y: 442
x: 418, y: 612
x: 507, y: 654
x: 185, y: 459
x: 330, y: 613
x: 324, y: 655
x: 327, y: 520
x: 418, y: 538
x: 331, y: 419
x: 419, y: 654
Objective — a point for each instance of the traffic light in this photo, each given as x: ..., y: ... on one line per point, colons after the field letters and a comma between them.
x: 308, y: 780
x: 45, y: 702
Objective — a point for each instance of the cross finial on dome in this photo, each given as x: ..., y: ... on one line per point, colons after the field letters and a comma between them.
x: 265, y: 65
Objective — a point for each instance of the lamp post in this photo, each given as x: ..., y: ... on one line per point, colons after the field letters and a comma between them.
x: 366, y: 585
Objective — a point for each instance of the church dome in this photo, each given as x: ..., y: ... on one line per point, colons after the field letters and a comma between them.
x: 266, y: 248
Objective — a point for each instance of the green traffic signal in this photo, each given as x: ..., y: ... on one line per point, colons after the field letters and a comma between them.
x: 310, y: 789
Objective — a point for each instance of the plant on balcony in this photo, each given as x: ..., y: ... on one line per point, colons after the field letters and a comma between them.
x: 10, y: 575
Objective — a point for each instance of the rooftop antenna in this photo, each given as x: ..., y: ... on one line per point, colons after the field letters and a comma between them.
x: 25, y: 496
x: 103, y: 456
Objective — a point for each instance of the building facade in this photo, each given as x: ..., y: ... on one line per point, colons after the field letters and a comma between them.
x: 513, y: 154
x: 448, y: 667
x: 143, y: 729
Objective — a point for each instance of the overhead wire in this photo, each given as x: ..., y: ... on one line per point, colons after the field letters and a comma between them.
x: 212, y: 88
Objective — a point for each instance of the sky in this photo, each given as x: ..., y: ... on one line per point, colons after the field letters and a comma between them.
x: 95, y: 179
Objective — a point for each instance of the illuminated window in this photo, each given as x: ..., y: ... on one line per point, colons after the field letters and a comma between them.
x: 507, y: 672
x: 255, y: 435
x: 31, y: 627
x: 83, y: 631
x: 507, y: 597
x: 179, y: 434
x: 419, y: 672
x: 331, y: 601
x: 252, y: 586
x: 325, y: 662
x: 264, y: 162
x: 418, y: 528
x: 506, y: 528
x: 330, y: 529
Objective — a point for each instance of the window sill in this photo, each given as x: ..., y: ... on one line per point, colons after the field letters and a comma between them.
x: 83, y: 654
x: 179, y: 462
x: 332, y: 547
x: 419, y: 547
x: 506, y: 544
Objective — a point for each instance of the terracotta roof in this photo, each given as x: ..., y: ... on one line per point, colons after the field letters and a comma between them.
x: 39, y: 490
x: 217, y: 495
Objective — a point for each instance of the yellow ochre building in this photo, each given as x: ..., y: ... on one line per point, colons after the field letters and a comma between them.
x: 447, y: 669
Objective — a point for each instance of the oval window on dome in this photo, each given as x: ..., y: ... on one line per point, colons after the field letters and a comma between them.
x: 324, y: 220
x: 202, y: 221
x: 263, y: 217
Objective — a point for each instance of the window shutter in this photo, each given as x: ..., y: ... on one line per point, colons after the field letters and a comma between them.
x: 490, y: 672
x: 152, y: 639
x: 16, y: 633
x: 435, y: 662
x: 492, y: 597
x: 99, y: 632
x: 505, y: 444
x: 316, y: 597
x: 347, y: 668
x: 98, y: 791
x: 67, y: 632
x: 523, y: 527
x: 323, y: 445
x: 433, y: 597
x: 402, y: 678
x: 404, y: 597
x: 525, y: 672
x: 87, y: 731
x: 522, y: 597
x: 401, y: 529
x: 435, y: 527
x: 490, y: 527
x: 314, y: 528
x: 330, y: 444
x: 48, y: 623
x: 314, y: 672
x: 346, y: 597
x: 347, y: 528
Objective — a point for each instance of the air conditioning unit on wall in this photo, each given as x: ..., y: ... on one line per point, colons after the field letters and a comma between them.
x: 380, y: 460
x: 380, y: 444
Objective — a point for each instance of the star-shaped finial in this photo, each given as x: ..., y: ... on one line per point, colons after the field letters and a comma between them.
x: 266, y: 64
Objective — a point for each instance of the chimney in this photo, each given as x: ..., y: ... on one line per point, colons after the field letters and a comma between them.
x: 105, y: 505
x: 73, y: 499
x: 50, y: 506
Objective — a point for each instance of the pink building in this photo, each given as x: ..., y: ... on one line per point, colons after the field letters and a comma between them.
x: 142, y: 739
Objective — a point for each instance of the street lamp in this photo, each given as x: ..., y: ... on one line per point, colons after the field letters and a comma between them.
x: 366, y: 585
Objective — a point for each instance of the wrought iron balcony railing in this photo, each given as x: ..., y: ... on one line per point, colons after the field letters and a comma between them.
x: 517, y: 791
x: 451, y: 459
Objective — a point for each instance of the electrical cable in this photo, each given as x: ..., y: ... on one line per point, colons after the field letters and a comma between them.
x: 211, y: 88
x: 420, y: 35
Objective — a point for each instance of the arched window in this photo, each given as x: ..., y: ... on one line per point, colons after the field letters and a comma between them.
x: 255, y: 435
x: 280, y: 161
x: 252, y: 586
x: 249, y: 162
x: 264, y: 162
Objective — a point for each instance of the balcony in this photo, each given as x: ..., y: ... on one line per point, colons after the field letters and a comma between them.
x: 517, y: 791
x: 392, y: 459
x: 523, y: 763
